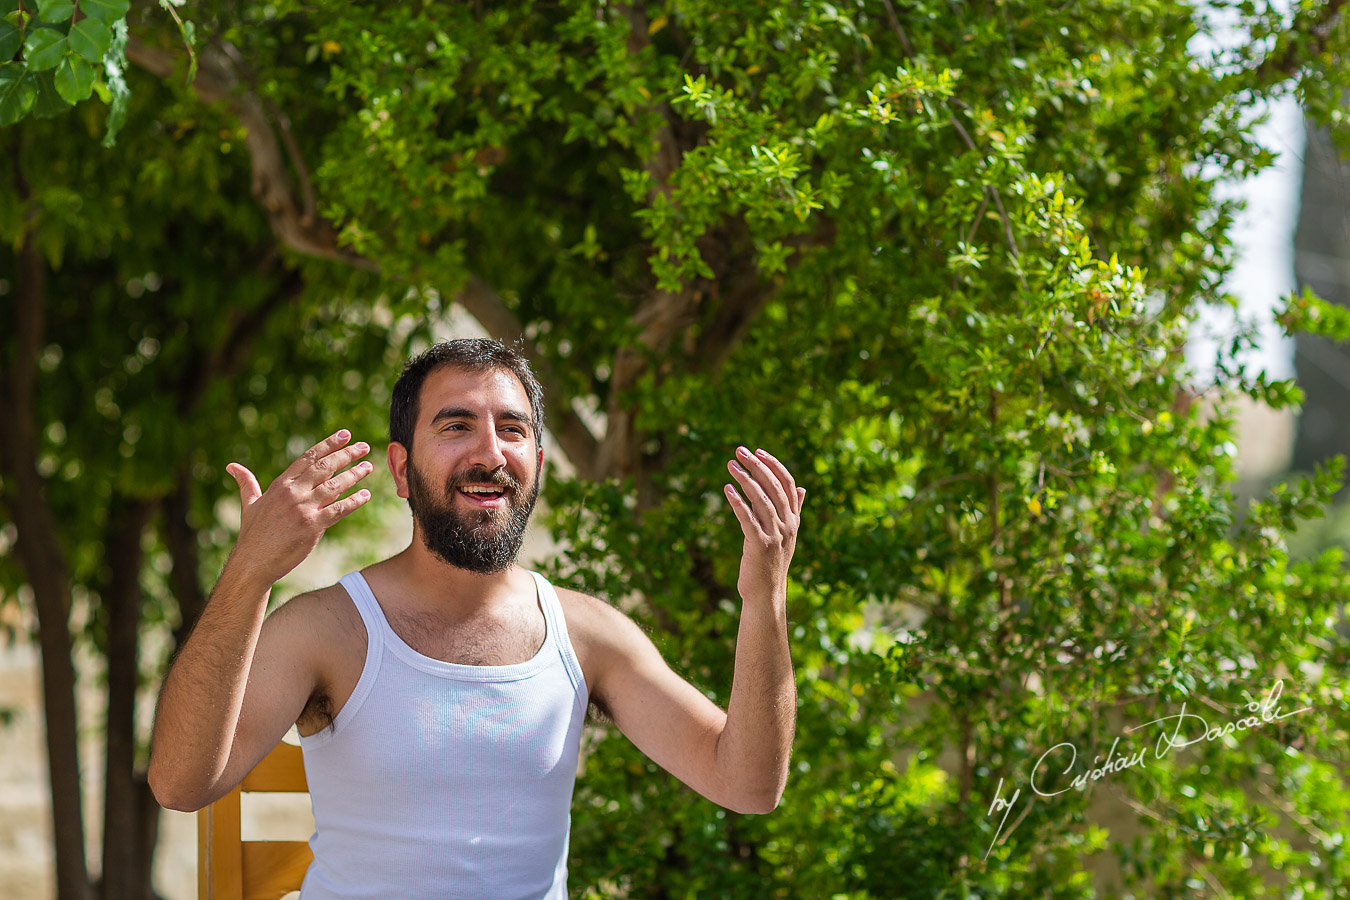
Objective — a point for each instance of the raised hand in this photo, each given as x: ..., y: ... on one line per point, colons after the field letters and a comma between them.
x: 769, y: 520
x: 282, y: 526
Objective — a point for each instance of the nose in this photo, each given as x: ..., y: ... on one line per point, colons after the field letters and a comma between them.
x: 487, y: 450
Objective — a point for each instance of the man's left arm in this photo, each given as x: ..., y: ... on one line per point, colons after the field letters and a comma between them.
x: 737, y: 758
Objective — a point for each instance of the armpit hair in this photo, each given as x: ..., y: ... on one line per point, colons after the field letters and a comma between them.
x: 319, y: 708
x: 597, y: 713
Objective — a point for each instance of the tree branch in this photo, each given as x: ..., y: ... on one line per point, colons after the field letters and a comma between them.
x: 662, y: 163
x: 217, y: 82
x: 1292, y: 55
x: 298, y: 228
x: 185, y: 577
x: 661, y: 315
x: 38, y: 547
x: 900, y: 32
x: 741, y: 293
x: 739, y: 304
x: 572, y: 434
x: 227, y: 357
x: 123, y: 810
x: 309, y: 208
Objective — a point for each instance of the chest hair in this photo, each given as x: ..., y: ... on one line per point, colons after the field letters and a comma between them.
x: 479, y: 641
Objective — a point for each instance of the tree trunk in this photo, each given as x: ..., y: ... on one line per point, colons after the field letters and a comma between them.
x: 147, y: 811
x: 180, y: 535
x: 125, y: 875
x: 1322, y: 262
x: 45, y: 568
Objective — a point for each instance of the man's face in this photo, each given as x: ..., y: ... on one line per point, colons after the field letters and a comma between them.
x: 476, y: 476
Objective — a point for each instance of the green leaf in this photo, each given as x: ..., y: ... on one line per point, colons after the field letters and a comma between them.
x: 49, y: 101
x: 11, y: 39
x: 44, y: 49
x: 74, y: 79
x: 16, y: 93
x: 54, y: 11
x: 106, y: 11
x: 90, y: 38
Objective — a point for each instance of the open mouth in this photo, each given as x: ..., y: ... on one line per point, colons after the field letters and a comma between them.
x: 484, y: 496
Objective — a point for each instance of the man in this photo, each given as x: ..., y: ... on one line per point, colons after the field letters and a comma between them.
x: 439, y: 694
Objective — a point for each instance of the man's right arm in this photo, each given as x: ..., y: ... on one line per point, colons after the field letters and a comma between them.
x: 239, y: 683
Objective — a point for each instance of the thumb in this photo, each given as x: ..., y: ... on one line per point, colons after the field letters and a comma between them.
x: 249, y: 491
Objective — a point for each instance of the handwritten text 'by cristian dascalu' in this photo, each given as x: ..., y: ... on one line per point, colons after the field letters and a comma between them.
x: 1261, y: 713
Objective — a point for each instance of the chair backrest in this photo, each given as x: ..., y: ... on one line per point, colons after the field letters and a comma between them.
x: 230, y: 868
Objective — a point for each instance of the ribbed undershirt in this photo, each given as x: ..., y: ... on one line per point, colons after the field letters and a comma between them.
x: 447, y: 781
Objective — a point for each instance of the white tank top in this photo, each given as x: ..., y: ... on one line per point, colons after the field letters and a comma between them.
x: 445, y: 780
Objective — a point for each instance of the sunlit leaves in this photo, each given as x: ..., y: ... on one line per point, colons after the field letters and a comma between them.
x: 74, y: 79
x: 64, y: 61
x: 16, y: 93
x: 49, y: 101
x: 11, y: 39
x: 90, y: 38
x: 105, y: 11
x: 44, y: 49
x: 55, y: 11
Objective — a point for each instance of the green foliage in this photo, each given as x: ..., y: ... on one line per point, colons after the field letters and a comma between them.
x: 177, y: 339
x: 940, y: 258
x: 55, y: 53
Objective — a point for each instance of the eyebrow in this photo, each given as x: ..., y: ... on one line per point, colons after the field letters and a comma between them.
x: 462, y: 412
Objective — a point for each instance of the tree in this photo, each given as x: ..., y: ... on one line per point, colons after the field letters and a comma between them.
x: 1321, y: 243
x: 155, y: 324
x: 940, y: 258
x: 57, y: 53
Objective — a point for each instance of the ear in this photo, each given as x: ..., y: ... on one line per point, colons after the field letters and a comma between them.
x: 398, y: 467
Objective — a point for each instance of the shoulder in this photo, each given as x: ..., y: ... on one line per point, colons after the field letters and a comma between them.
x: 605, y: 637
x: 593, y: 621
x: 321, y: 640
x: 332, y: 600
x: 322, y: 615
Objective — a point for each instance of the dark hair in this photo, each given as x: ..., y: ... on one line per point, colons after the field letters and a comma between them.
x: 473, y: 354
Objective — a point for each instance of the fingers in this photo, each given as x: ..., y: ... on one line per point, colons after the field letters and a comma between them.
x: 758, y: 465
x: 742, y: 511
x: 339, y: 483
x: 317, y: 478
x: 763, y: 489
x: 784, y: 478
x: 342, y: 508
x: 762, y: 511
x: 325, y: 459
x: 770, y: 515
x: 249, y: 491
x: 323, y: 469
x: 340, y: 459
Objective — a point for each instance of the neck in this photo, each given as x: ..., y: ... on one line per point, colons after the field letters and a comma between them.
x: 432, y: 583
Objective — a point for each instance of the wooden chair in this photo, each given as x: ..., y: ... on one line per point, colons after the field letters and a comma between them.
x: 230, y: 868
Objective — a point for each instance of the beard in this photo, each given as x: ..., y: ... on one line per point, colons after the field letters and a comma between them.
x: 484, y: 541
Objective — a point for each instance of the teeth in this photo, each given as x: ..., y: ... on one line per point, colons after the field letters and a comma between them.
x: 473, y: 489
